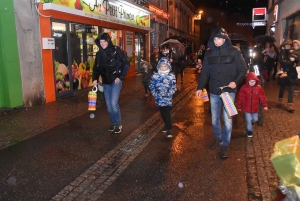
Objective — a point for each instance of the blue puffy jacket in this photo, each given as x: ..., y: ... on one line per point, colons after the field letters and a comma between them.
x: 163, y: 88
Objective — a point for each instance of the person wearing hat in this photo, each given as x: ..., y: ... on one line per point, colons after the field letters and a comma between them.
x: 163, y: 86
x: 223, y: 65
x: 112, y: 65
x: 146, y: 70
x: 296, y: 50
x: 288, y: 61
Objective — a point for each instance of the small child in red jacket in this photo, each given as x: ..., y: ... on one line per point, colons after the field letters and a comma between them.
x: 249, y: 98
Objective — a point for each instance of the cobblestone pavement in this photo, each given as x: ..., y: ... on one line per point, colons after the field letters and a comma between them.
x: 23, y: 123
x: 278, y: 125
x: 92, y: 183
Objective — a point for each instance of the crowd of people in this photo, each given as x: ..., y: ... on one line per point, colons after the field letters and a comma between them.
x: 223, y: 69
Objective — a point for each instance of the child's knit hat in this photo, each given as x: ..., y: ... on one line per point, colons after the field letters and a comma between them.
x: 163, y: 60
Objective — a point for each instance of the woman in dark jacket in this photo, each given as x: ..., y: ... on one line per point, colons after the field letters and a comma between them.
x: 274, y: 59
x: 112, y: 65
x: 288, y: 65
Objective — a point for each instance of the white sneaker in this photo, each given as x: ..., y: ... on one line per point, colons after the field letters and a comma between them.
x: 169, y: 135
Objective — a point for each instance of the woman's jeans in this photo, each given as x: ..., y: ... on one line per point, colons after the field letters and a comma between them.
x: 165, y: 113
x: 250, y: 118
x: 216, y: 105
x: 290, y: 91
x: 111, y: 94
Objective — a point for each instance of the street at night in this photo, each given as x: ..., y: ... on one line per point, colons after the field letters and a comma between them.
x: 79, y: 160
x: 149, y: 100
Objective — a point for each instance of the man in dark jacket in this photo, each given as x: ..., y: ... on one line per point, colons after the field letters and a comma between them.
x: 112, y: 65
x: 224, y: 65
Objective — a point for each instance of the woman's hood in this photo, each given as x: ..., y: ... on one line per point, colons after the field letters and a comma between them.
x: 103, y: 36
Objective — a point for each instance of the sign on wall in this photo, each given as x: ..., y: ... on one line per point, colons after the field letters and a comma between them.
x: 276, y: 13
x: 259, y: 14
x: 129, y: 46
x: 108, y: 10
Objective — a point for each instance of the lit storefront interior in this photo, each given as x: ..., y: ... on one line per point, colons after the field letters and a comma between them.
x: 69, y: 65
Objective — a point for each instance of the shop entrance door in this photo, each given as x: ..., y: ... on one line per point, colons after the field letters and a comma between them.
x: 140, y: 50
x: 62, y: 70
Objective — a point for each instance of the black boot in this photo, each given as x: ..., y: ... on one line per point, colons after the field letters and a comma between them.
x: 215, y: 143
x: 224, y: 153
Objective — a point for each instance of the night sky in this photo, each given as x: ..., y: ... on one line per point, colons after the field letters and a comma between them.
x: 231, y: 7
x: 235, y: 9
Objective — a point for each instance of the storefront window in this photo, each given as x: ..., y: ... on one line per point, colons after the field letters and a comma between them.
x: 292, y: 30
x: 116, y: 36
x: 83, y: 54
x: 74, y: 56
x: 60, y: 57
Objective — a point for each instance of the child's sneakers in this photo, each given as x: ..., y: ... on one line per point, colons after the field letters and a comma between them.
x: 283, y: 75
x: 164, y: 130
x: 169, y: 135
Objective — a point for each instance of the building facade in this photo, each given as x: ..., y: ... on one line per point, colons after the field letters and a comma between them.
x: 284, y: 20
x: 48, y: 49
x: 212, y: 18
x: 170, y: 18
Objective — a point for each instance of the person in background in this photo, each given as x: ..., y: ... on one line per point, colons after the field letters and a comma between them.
x: 163, y: 86
x: 273, y: 55
x: 265, y: 67
x: 223, y: 65
x: 249, y: 98
x: 112, y: 65
x: 258, y: 56
x: 173, y: 58
x: 200, y: 57
x: 147, y: 73
x: 288, y: 65
x: 296, y: 51
x: 201, y: 52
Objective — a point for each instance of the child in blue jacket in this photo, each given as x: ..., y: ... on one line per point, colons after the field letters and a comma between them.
x: 163, y: 86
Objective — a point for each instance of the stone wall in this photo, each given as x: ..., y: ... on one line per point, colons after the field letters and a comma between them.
x: 28, y: 37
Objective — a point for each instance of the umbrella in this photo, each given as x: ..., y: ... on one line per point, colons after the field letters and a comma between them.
x: 179, y: 38
x: 264, y: 39
x: 176, y: 46
x: 237, y: 38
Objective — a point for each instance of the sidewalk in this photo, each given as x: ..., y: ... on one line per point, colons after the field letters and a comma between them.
x: 278, y: 125
x: 22, y: 123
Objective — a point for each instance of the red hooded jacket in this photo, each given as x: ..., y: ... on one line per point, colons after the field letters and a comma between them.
x: 249, y: 97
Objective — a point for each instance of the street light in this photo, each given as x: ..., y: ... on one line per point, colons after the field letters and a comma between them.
x: 198, y: 16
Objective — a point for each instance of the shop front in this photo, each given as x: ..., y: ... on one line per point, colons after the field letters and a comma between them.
x: 292, y: 28
x: 68, y: 30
